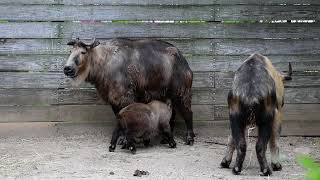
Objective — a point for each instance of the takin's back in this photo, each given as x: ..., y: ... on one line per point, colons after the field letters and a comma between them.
x: 255, y: 80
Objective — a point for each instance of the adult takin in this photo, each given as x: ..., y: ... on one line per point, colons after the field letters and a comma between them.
x: 140, y: 121
x: 256, y: 99
x: 126, y: 71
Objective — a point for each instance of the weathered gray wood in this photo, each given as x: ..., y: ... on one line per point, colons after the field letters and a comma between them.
x: 292, y: 96
x: 253, y: 12
x: 159, y: 2
x: 58, y: 46
x: 225, y: 79
x: 55, y: 63
x: 59, y: 80
x: 266, y: 47
x: 292, y: 112
x: 78, y: 113
x: 191, y: 30
x: 29, y: 30
x: 73, y: 13
x: 35, y: 63
x: 299, y: 63
x: 201, y: 79
x: 187, y: 46
x: 75, y: 96
x: 111, y: 2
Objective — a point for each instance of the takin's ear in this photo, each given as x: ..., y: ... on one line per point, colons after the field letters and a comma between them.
x: 72, y: 42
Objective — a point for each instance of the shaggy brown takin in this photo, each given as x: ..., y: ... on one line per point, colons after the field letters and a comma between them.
x: 256, y: 98
x: 140, y: 121
x: 127, y: 71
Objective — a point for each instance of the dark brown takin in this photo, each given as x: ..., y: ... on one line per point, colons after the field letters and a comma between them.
x: 256, y: 98
x: 127, y: 71
x: 140, y: 122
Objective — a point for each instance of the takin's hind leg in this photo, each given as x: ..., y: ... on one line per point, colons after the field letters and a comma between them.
x: 238, y: 127
x: 273, y: 143
x: 225, y: 163
x: 264, y: 123
x: 184, y: 107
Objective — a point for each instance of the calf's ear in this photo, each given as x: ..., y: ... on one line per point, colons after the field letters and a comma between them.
x: 94, y: 44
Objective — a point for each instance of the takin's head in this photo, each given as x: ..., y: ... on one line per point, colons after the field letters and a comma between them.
x: 77, y: 63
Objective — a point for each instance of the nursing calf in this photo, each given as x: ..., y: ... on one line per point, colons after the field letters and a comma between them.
x: 256, y: 98
x: 140, y: 121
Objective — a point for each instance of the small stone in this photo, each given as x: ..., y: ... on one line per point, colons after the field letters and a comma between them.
x: 111, y: 173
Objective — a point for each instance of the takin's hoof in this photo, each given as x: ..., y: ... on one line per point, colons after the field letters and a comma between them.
x: 190, y: 141
x: 224, y: 163
x: 146, y: 142
x: 266, y: 172
x: 132, y: 149
x: 173, y: 144
x: 112, y: 148
x: 190, y: 138
x: 276, y: 166
x: 236, y: 170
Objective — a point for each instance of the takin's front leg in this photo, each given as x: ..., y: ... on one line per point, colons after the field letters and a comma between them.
x: 118, y: 101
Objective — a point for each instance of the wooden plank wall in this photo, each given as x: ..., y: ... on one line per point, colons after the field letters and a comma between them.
x: 214, y: 35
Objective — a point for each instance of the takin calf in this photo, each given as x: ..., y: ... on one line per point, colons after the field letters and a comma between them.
x: 256, y: 98
x: 143, y: 121
x: 127, y: 71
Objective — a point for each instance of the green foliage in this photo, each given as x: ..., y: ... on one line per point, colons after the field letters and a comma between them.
x: 312, y: 167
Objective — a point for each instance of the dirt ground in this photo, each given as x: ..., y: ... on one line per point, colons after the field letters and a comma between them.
x: 86, y: 156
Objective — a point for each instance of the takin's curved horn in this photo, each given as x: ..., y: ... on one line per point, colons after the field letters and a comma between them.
x: 288, y: 76
x: 94, y: 43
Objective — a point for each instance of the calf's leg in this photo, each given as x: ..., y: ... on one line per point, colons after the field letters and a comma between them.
x: 115, y: 135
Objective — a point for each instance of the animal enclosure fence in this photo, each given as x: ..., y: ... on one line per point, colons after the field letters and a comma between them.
x: 214, y: 35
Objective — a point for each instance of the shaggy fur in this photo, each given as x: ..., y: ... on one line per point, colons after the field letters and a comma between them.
x: 256, y: 99
x: 127, y: 71
x: 143, y: 121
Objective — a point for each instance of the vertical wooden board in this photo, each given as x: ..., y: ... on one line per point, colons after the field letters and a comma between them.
x: 266, y: 13
x: 29, y: 30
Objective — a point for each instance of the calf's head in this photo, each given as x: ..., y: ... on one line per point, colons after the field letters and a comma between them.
x: 77, y: 66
